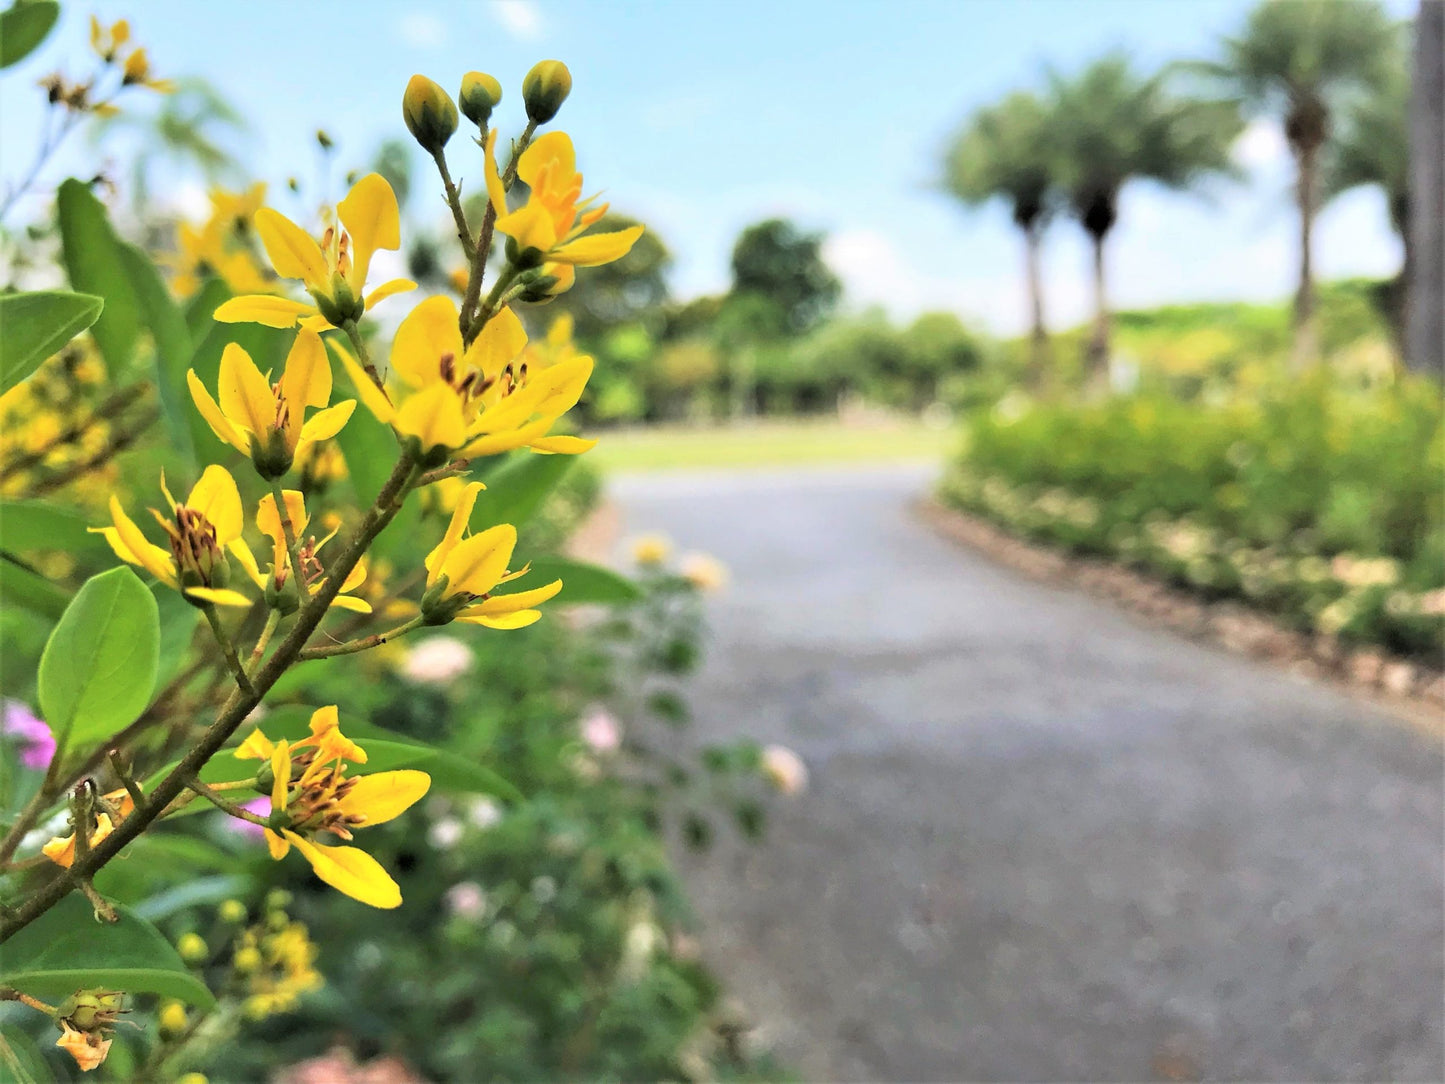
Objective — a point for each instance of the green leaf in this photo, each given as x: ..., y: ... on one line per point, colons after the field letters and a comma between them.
x: 93, y: 260
x: 99, y: 666
x: 26, y: 526
x: 23, y: 26
x: 28, y: 1065
x: 172, y: 340
x: 66, y: 949
x: 35, y: 326
x: 517, y: 488
x: 201, y: 309
x: 22, y: 587
x: 581, y: 582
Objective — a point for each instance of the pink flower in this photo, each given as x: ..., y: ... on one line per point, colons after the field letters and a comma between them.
x: 600, y: 731
x: 467, y: 899
x: 262, y: 808
x: 37, y: 743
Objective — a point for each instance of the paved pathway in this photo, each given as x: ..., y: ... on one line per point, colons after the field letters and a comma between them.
x: 1043, y: 841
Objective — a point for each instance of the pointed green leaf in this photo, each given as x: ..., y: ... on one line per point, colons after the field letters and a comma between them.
x: 66, y: 949
x: 39, y: 525
x: 35, y: 326
x: 172, y: 339
x: 92, y: 255
x: 99, y: 666
x: 23, y: 587
x: 23, y: 26
x: 517, y: 488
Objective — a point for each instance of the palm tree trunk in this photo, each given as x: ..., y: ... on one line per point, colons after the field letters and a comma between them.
x: 1039, y: 335
x: 1306, y: 331
x: 1098, y: 349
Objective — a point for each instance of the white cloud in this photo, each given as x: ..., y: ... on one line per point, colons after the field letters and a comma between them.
x: 423, y: 30
x: 520, y: 18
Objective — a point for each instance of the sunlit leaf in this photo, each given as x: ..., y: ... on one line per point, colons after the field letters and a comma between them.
x: 35, y: 326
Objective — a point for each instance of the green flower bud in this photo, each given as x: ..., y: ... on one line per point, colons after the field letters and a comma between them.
x: 278, y: 899
x: 246, y: 960
x: 232, y: 912
x: 480, y: 95
x: 192, y: 947
x: 172, y: 1020
x: 545, y: 89
x: 271, y: 457
x: 429, y: 112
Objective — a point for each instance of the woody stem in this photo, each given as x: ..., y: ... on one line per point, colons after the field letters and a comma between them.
x: 228, y: 649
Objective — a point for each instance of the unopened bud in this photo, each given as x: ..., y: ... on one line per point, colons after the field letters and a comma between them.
x: 172, y: 1020
x: 192, y: 947
x: 278, y: 899
x: 545, y: 89
x: 246, y: 960
x: 232, y: 912
x: 323, y: 140
x: 480, y: 95
x: 430, y: 113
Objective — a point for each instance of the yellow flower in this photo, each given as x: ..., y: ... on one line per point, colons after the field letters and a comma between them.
x: 704, y: 572
x: 268, y: 421
x: 116, y: 806
x: 137, y: 72
x: 88, y: 1048
x: 334, y: 271
x: 463, y: 570
x: 475, y: 401
x: 651, y: 549
x: 195, y: 565
x: 552, y: 221
x: 279, y: 584
x: 220, y: 246
x: 108, y: 41
x: 314, y: 795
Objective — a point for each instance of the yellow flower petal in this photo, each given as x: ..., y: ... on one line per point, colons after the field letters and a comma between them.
x: 551, y: 147
x: 306, y: 379
x: 461, y: 518
x: 242, y: 553
x: 476, y: 564
x: 530, y: 226
x: 562, y: 445
x: 369, y: 213
x: 246, y: 395
x: 216, y: 497
x: 501, y: 340
x: 265, y: 309
x: 327, y: 423
x: 518, y: 600
x: 278, y: 846
x: 595, y: 249
x: 352, y: 871
x: 280, y: 774
x: 256, y: 747
x: 519, y: 620
x: 388, y: 289
x: 217, y: 596
x: 349, y: 602
x: 294, y: 253
x: 373, y: 397
x: 268, y: 520
x: 150, y: 557
x: 384, y: 795
x: 215, y: 418
x: 434, y: 417
x: 428, y: 332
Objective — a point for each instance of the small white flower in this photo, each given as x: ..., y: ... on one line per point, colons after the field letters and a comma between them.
x: 484, y: 812
x: 445, y: 833
x: 437, y: 660
x: 785, y: 769
x: 601, y: 731
x: 466, y: 899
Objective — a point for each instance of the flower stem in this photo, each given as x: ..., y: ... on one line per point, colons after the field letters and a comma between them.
x: 272, y: 620
x: 469, y: 326
x: 228, y: 806
x: 364, y: 643
x: 293, y: 551
x: 228, y: 649
x: 454, y: 201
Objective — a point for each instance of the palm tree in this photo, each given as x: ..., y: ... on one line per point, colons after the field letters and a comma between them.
x: 1114, y: 126
x: 1296, y: 61
x: 1005, y: 152
x: 1373, y: 148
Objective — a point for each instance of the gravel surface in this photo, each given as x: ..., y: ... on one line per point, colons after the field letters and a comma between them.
x: 1042, y: 841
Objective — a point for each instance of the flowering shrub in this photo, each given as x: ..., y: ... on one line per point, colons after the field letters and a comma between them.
x: 253, y: 504
x: 1321, y: 505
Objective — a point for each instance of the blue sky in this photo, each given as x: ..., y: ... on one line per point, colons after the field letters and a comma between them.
x: 701, y: 117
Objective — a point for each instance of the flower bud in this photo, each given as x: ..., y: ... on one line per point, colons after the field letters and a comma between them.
x: 430, y: 113
x: 192, y: 947
x: 545, y: 89
x: 278, y: 899
x: 246, y: 960
x: 172, y: 1020
x: 232, y: 912
x: 480, y: 95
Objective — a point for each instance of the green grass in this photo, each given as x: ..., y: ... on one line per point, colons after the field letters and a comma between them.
x: 770, y: 444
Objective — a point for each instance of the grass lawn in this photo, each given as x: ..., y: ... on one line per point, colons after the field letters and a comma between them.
x: 770, y: 444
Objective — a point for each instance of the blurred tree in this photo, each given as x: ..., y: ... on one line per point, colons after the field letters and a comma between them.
x: 187, y: 131
x: 1373, y: 148
x: 1112, y: 126
x: 630, y: 289
x: 393, y: 161
x: 937, y: 348
x: 1296, y: 61
x: 1426, y: 348
x: 1006, y: 151
x: 776, y: 261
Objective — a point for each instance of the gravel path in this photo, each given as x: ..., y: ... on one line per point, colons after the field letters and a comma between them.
x: 1042, y: 841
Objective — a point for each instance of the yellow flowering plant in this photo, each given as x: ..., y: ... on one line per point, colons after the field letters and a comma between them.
x: 153, y: 715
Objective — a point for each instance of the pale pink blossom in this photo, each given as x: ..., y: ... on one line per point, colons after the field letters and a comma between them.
x: 785, y: 769
x: 437, y: 660
x: 601, y: 731
x: 37, y: 743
